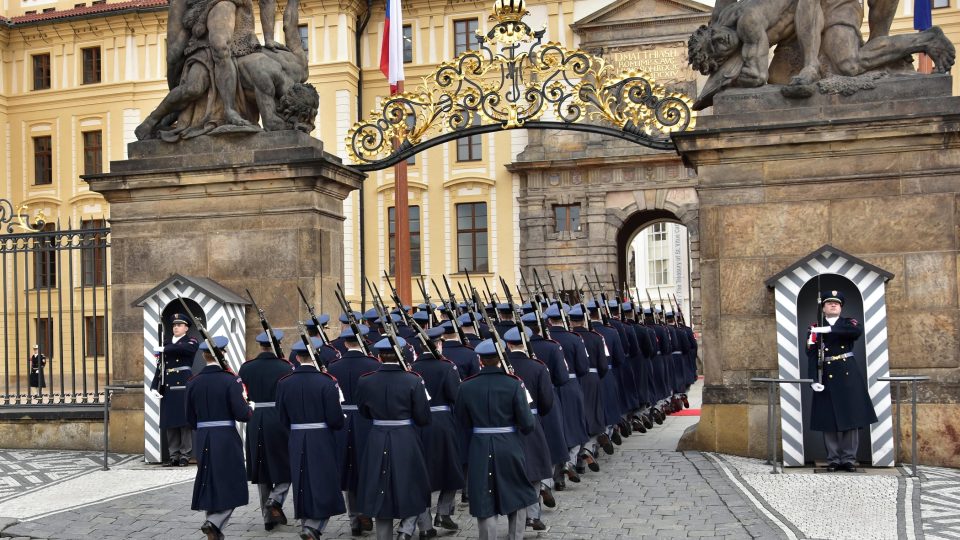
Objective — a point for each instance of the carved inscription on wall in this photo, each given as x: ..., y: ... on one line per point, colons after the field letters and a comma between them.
x: 664, y: 61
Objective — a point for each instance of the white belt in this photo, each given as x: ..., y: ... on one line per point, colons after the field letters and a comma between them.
x: 676, y: 352
x: 349, y: 407
x: 492, y: 430
x: 181, y: 368
x: 534, y: 411
x: 260, y: 404
x: 594, y: 370
x: 393, y: 423
x: 176, y: 388
x: 572, y: 375
x: 314, y: 425
x: 440, y: 408
x: 215, y: 423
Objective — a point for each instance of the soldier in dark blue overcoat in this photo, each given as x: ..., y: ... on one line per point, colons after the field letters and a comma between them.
x: 337, y: 343
x: 394, y: 483
x: 442, y: 437
x: 495, y: 406
x: 610, y: 393
x: 571, y: 394
x: 328, y: 353
x: 629, y: 398
x: 268, y: 462
x: 590, y: 382
x: 461, y: 355
x: 466, y: 322
x: 353, y: 438
x: 536, y: 379
x: 169, y: 385
x: 550, y: 353
x: 308, y: 403
x: 213, y: 403
x: 841, y: 403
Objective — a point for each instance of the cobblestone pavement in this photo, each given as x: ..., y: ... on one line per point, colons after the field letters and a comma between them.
x: 645, y: 490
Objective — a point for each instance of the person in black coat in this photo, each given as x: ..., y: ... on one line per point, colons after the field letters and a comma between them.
x: 268, y: 461
x: 35, y: 366
x: 441, y: 438
x: 841, y: 403
x: 169, y: 386
x: 308, y: 403
x: 592, y: 392
x: 328, y: 353
x: 610, y: 392
x: 351, y: 440
x: 536, y: 379
x: 394, y: 483
x: 460, y: 354
x: 213, y: 403
x: 495, y: 405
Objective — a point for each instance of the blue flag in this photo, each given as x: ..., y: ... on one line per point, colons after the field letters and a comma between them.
x: 922, y: 16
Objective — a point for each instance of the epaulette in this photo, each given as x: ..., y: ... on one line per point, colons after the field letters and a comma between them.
x: 415, y: 373
x: 368, y: 373
x: 474, y: 376
x: 551, y: 340
x: 514, y: 376
x: 537, y: 360
x: 286, y: 376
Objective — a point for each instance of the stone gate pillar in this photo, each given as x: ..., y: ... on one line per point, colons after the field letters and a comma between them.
x: 260, y: 211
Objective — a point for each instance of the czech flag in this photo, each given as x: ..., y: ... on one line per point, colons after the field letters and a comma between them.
x: 922, y: 16
x: 391, y: 50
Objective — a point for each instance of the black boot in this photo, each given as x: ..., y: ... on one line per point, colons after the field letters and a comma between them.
x: 444, y: 522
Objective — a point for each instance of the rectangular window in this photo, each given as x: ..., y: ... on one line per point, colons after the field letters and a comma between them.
x: 566, y: 217
x: 470, y: 148
x: 92, y: 152
x: 45, y: 258
x: 658, y: 255
x: 42, y: 160
x: 304, y: 37
x: 44, y: 337
x: 465, y: 35
x: 41, y: 71
x: 93, y: 257
x: 95, y: 335
x: 938, y: 4
x: 414, y: 240
x: 407, y: 43
x: 472, y: 237
x: 91, y: 65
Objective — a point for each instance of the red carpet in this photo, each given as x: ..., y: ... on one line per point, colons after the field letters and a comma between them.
x: 687, y: 412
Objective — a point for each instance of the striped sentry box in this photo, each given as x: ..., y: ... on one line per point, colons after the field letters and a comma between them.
x: 871, y: 283
x: 224, y: 312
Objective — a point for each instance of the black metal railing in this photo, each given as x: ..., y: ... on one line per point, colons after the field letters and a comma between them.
x: 56, y: 297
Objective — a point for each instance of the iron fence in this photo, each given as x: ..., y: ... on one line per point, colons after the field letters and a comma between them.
x: 56, y: 302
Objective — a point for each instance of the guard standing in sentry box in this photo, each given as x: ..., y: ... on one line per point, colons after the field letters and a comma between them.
x: 174, y: 369
x: 841, y: 404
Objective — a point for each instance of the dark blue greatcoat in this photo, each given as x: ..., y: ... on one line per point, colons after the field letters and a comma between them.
x: 463, y: 356
x: 353, y: 438
x: 217, y: 395
x: 497, y: 483
x: 653, y: 384
x: 613, y: 405
x: 177, y: 363
x: 678, y: 359
x: 691, y: 356
x: 308, y: 396
x: 627, y: 374
x: 536, y: 377
x: 660, y: 368
x: 442, y: 438
x: 267, y: 459
x: 571, y: 394
x: 549, y: 352
x: 590, y: 382
x: 845, y: 402
x: 394, y: 483
x: 643, y: 362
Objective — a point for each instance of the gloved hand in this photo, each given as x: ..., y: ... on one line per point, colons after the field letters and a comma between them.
x: 252, y: 404
x: 155, y: 394
x: 817, y: 387
x: 821, y: 330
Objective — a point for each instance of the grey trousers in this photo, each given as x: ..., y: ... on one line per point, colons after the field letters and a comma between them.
x: 351, y: 500
x: 384, y: 527
x: 179, y: 442
x: 841, y: 446
x: 516, y: 522
x: 276, y: 492
x: 318, y: 524
x: 219, y: 519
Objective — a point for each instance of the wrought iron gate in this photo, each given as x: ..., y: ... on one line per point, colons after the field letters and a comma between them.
x: 55, y: 298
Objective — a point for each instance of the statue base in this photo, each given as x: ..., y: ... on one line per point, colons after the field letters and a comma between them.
x: 876, y: 174
x: 260, y: 211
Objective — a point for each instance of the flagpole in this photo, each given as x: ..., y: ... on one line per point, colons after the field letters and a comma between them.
x: 401, y: 205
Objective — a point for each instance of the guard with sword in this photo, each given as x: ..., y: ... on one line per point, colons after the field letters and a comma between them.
x: 169, y: 385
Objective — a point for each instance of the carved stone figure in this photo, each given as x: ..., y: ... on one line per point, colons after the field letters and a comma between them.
x: 222, y: 80
x: 733, y: 49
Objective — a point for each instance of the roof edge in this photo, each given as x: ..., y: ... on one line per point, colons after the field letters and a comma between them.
x: 771, y: 282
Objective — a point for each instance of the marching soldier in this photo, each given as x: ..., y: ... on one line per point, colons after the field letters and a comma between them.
x: 461, y: 354
x: 466, y: 322
x: 169, y: 385
x: 350, y: 441
x: 536, y: 378
x: 441, y: 438
x: 611, y: 396
x: 505, y: 315
x: 590, y: 382
x: 268, y: 463
x: 571, y: 394
x: 213, y: 403
x: 338, y: 342
x: 494, y: 405
x: 328, y: 353
x: 394, y: 483
x: 841, y: 402
x: 308, y: 403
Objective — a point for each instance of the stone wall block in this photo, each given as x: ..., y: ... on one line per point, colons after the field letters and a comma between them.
x: 741, y: 287
x: 894, y: 224
x: 772, y: 229
x: 931, y: 280
x: 924, y: 339
x: 748, y: 342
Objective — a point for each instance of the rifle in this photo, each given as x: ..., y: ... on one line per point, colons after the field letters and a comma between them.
x: 163, y: 363
x: 351, y: 320
x: 274, y: 342
x: 629, y: 296
x: 491, y: 294
x: 663, y: 309
x: 586, y: 314
x: 603, y: 309
x: 314, y: 354
x: 425, y: 340
x: 422, y: 283
x: 543, y: 290
x: 680, y: 317
x: 818, y: 386
x: 313, y: 315
x: 518, y: 321
x: 653, y: 309
x: 558, y: 303
x: 388, y: 327
x: 603, y: 295
x: 217, y: 353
